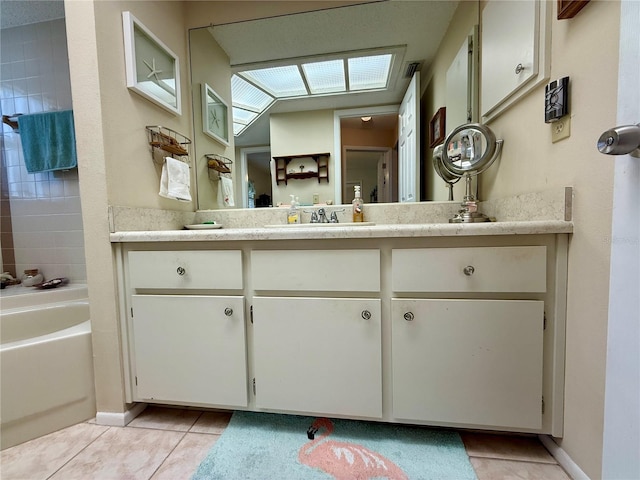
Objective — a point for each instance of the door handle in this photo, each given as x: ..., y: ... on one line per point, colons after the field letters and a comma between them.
x: 621, y: 140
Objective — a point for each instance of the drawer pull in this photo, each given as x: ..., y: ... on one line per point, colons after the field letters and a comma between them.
x: 228, y: 311
x: 366, y: 314
x: 468, y: 270
x: 408, y: 316
x: 181, y: 271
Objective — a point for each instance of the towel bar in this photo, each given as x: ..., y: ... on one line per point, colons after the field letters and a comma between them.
x: 12, y: 121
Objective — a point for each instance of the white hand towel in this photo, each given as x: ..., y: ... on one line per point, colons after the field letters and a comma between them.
x: 175, y: 181
x: 225, y: 192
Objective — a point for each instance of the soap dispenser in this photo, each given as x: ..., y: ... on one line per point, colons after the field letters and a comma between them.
x: 357, y: 205
x: 293, y: 216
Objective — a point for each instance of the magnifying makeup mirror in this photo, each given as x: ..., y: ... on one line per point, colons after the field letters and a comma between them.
x: 466, y: 152
x: 448, y: 178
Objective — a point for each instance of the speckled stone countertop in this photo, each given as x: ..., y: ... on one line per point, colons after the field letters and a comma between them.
x: 528, y: 214
x: 341, y: 232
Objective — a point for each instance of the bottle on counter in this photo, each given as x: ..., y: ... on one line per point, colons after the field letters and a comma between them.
x: 293, y: 215
x: 357, y: 205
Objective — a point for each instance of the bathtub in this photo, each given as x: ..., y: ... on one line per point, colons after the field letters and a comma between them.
x: 46, y: 362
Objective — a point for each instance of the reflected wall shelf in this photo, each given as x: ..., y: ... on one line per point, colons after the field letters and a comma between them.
x: 322, y: 172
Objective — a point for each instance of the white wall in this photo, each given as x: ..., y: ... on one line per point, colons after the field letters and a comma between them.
x: 114, y: 159
x: 45, y: 207
x: 585, y: 48
x: 297, y: 134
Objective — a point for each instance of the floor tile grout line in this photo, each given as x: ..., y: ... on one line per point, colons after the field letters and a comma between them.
x: 520, y: 460
x: 79, y: 452
x: 168, y: 455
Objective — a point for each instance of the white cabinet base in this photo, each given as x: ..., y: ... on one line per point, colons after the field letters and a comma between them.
x: 318, y: 355
x: 472, y: 362
x: 187, y: 349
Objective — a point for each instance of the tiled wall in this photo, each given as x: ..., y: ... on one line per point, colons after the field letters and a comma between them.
x: 45, y: 207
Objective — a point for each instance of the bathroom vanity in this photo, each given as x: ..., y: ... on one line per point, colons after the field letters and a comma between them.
x: 433, y: 324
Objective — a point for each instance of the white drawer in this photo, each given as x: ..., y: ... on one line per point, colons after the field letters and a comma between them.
x: 475, y: 269
x: 200, y: 269
x: 316, y: 270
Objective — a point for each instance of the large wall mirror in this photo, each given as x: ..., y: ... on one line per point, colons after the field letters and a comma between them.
x: 328, y: 81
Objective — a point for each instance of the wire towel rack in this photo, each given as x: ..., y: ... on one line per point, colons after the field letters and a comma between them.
x: 218, y: 165
x: 165, y: 141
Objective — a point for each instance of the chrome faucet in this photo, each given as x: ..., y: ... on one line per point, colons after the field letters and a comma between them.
x: 334, y: 217
x: 314, y: 217
x: 322, y: 216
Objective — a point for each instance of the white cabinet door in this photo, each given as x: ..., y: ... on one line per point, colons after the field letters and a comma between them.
x: 318, y: 355
x: 190, y: 348
x: 470, y: 362
x: 515, y: 51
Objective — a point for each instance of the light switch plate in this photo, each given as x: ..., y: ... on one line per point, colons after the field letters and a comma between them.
x: 561, y: 129
x: 316, y: 198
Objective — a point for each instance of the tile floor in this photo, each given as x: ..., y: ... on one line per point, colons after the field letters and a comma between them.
x: 167, y: 443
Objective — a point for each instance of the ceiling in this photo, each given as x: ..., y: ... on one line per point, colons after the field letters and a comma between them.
x: 419, y: 25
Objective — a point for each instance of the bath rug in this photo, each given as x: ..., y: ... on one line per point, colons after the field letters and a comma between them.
x: 290, y: 447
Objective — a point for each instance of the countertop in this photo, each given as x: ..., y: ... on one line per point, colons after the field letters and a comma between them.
x: 315, y: 232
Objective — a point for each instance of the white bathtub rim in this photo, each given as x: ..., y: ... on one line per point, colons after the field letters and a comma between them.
x: 43, y: 306
x: 83, y: 328
x: 18, y: 297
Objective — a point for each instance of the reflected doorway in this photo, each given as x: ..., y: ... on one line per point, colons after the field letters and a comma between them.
x: 371, y: 168
x: 257, y: 188
x: 368, y: 153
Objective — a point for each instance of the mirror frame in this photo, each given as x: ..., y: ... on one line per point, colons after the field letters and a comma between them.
x: 485, y: 160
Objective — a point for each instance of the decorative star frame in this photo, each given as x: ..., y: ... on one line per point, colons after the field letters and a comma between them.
x: 153, y: 70
x: 215, y: 115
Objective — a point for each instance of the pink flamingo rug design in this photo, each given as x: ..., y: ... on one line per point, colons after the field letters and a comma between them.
x: 268, y: 446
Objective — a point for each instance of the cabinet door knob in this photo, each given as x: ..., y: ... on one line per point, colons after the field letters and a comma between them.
x: 408, y: 316
x: 366, y: 314
x: 468, y: 270
x: 181, y: 271
x: 519, y: 69
x: 228, y: 311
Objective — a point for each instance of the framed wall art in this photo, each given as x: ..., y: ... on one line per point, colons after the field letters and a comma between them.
x: 437, y: 128
x: 215, y: 115
x: 153, y: 70
x: 570, y: 8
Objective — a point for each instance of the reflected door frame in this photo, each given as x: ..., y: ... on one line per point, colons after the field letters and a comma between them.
x: 391, y: 170
x: 244, y: 172
x: 337, y: 135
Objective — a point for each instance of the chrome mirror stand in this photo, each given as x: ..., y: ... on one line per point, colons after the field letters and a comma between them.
x: 469, y: 212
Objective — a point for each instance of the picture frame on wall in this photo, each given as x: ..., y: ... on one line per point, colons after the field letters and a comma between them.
x: 437, y: 127
x: 215, y: 115
x: 152, y: 69
x: 570, y: 8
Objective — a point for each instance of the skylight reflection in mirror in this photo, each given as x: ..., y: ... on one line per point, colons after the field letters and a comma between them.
x: 278, y: 81
x: 325, y: 77
x: 248, y: 96
x: 255, y: 90
x: 369, y: 72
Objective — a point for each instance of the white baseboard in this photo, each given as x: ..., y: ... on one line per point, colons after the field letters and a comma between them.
x: 563, y: 458
x: 120, y: 419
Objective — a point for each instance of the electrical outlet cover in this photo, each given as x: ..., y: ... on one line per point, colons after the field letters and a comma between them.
x: 561, y: 129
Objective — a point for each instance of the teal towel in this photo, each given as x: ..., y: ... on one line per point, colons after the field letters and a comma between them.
x: 48, y: 141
